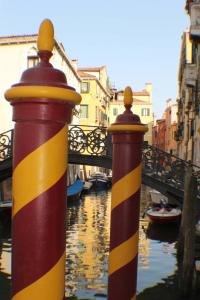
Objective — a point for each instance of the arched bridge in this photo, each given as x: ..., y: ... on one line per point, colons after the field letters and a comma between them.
x: 90, y: 145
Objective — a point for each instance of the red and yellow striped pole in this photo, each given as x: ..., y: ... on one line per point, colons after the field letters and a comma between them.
x: 42, y: 105
x: 127, y: 138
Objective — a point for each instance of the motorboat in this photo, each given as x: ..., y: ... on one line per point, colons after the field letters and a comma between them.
x: 164, y: 213
x: 99, y: 180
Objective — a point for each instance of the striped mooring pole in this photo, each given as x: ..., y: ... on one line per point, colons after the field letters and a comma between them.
x: 127, y: 137
x: 42, y: 105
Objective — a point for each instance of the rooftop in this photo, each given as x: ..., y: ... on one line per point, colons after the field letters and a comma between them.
x: 92, y: 69
x: 15, y: 39
x: 85, y: 75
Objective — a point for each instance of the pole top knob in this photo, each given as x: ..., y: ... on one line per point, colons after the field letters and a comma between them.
x: 45, y: 41
x: 128, y: 96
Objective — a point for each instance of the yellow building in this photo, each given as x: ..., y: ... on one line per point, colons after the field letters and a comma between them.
x: 94, y: 108
x: 142, y: 106
x: 95, y: 96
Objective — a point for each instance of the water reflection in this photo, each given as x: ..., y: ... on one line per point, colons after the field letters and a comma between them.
x: 87, y: 247
x: 157, y: 253
x: 86, y: 262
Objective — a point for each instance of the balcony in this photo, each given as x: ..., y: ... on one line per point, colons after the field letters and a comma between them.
x: 195, y: 20
x: 191, y: 75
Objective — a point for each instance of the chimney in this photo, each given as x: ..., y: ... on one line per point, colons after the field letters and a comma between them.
x: 75, y: 63
x: 148, y: 88
x: 169, y: 102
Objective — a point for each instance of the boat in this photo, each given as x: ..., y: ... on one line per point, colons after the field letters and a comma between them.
x: 74, y: 190
x: 99, y: 180
x: 5, y: 204
x: 87, y: 185
x: 164, y: 213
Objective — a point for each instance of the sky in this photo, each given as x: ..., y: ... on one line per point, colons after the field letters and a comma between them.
x: 138, y: 41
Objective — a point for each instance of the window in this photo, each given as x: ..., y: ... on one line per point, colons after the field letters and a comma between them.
x: 84, y: 111
x: 115, y: 111
x: 145, y: 112
x: 32, y: 61
x: 85, y: 87
x: 32, y: 57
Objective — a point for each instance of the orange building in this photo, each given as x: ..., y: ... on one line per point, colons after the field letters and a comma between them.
x: 164, y: 130
x: 159, y: 134
x: 171, y: 127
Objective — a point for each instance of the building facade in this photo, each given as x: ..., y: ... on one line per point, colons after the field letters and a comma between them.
x: 188, y: 133
x: 17, y: 53
x: 171, y: 127
x: 158, y: 134
x: 185, y: 107
x: 164, y: 130
x: 94, y: 108
x: 142, y: 106
x: 95, y: 92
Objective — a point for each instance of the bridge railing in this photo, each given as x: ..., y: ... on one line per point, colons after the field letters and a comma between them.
x: 90, y: 140
x: 166, y: 167
x: 6, y: 139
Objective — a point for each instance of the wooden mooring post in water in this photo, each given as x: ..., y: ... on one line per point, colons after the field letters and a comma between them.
x: 186, y: 243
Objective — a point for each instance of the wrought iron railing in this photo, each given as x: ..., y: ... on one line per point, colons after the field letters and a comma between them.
x: 96, y: 141
x: 6, y: 139
x: 167, y: 168
x: 90, y: 140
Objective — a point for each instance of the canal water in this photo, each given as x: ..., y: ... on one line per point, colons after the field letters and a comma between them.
x: 87, y: 247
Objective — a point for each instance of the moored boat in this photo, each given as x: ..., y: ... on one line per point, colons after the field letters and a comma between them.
x: 87, y: 185
x: 99, y: 180
x: 164, y: 214
x: 74, y: 190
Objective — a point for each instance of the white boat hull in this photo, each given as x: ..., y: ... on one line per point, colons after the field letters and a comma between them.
x: 164, y: 215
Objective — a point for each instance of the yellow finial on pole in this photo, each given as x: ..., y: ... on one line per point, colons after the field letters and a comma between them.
x: 46, y: 36
x: 128, y: 96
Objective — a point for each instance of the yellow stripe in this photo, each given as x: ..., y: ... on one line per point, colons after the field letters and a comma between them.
x: 133, y: 298
x: 140, y: 128
x: 51, y: 286
x: 40, y: 170
x: 123, y: 254
x: 37, y: 91
x: 126, y: 186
